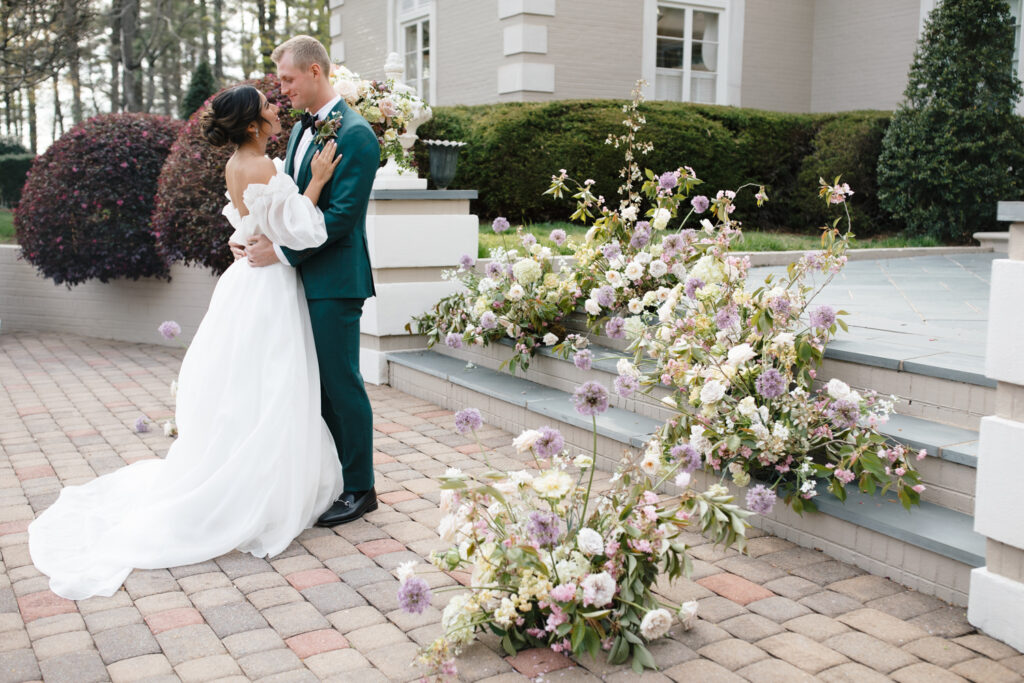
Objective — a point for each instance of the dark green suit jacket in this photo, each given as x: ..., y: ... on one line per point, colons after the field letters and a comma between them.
x: 340, y: 267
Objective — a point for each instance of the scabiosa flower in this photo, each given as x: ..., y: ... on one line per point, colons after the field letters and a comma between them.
x: 771, y: 383
x: 550, y: 442
x: 468, y: 419
x: 700, y: 203
x: 667, y: 181
x: 760, y: 499
x: 605, y: 296
x: 692, y: 285
x: 626, y: 385
x: 641, y: 235
x: 500, y: 224
x: 844, y: 414
x: 780, y: 305
x: 488, y: 320
x: 466, y: 262
x: 823, y: 317
x: 141, y: 424
x: 414, y: 595
x: 611, y: 250
x: 614, y: 328
x: 583, y: 359
x: 726, y: 318
x: 453, y: 340
x: 169, y: 329
x: 543, y: 528
x: 591, y: 398
x: 557, y: 236
x: 529, y: 240
x: 687, y: 455
x: 672, y: 243
x: 494, y: 270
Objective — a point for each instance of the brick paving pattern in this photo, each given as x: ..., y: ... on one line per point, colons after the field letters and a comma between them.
x: 325, y: 609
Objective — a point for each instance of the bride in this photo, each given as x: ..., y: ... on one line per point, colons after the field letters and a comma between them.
x: 254, y: 463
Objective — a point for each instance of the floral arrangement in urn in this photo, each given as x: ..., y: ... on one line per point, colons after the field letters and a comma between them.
x: 392, y: 109
x: 555, y: 564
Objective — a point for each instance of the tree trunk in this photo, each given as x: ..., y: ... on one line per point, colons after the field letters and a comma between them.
x: 268, y: 37
x: 218, y: 41
x: 58, y: 116
x: 74, y: 66
x: 33, y: 133
x: 204, y: 30
x: 129, y: 59
x: 150, y: 75
x: 116, y: 10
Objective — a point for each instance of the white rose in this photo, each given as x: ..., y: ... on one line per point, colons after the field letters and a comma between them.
x: 655, y: 624
x: 634, y: 271
x: 635, y: 306
x: 348, y: 90
x: 552, y: 484
x: 658, y: 268
x: 687, y: 613
x: 589, y: 542
x: 712, y: 391
x: 661, y: 219
x: 583, y: 461
x: 614, y: 278
x: 838, y: 389
x: 516, y: 292
x: 168, y: 428
x: 526, y: 440
x: 591, y: 234
x: 783, y: 339
x: 643, y: 257
x: 591, y: 307
x: 747, y: 407
x: 651, y: 464
x: 406, y: 570
x: 738, y: 355
x: 174, y: 390
x: 550, y: 339
x: 679, y: 270
x: 628, y: 214
x: 634, y: 327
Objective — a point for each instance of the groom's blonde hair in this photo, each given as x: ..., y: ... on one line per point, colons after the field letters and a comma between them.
x: 305, y: 51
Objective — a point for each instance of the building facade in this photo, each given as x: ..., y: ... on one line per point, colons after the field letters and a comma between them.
x: 782, y: 55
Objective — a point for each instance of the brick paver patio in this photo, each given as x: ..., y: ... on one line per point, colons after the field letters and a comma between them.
x: 325, y: 609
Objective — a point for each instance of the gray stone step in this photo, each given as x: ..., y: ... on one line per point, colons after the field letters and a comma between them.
x: 932, y: 548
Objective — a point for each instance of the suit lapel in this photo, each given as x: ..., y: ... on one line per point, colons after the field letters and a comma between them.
x: 305, y: 175
x: 289, y: 157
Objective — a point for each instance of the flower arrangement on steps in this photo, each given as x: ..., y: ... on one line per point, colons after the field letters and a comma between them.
x: 739, y: 359
x: 555, y: 563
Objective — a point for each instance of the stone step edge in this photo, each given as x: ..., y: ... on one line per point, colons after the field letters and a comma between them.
x: 959, y: 445
x: 929, y: 526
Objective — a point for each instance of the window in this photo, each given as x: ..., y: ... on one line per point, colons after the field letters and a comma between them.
x: 1016, y: 12
x: 414, y: 44
x: 687, y: 53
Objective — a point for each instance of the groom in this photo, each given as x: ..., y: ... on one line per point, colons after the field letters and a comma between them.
x: 336, y: 275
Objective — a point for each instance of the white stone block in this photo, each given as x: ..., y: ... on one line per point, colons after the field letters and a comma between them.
x: 397, y: 302
x: 526, y: 77
x: 996, y: 606
x: 999, y: 505
x: 335, y: 23
x: 373, y: 366
x: 413, y: 241
x: 510, y: 8
x: 525, y: 38
x: 1004, y: 351
x: 335, y: 3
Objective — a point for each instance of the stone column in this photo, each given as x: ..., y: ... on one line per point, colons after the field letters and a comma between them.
x: 996, y: 598
x: 412, y: 236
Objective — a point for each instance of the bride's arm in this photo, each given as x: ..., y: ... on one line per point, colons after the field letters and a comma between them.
x: 322, y: 166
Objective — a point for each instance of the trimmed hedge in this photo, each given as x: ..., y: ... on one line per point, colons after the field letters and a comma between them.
x: 13, y: 172
x: 514, y: 148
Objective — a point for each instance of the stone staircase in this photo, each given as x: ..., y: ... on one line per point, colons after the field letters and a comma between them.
x: 931, y: 548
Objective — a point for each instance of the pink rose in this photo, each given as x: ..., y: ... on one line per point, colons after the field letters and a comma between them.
x: 388, y: 108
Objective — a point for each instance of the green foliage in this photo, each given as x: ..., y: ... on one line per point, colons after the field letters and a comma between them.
x: 200, y: 88
x: 13, y: 171
x: 6, y: 227
x: 954, y: 148
x: 10, y: 145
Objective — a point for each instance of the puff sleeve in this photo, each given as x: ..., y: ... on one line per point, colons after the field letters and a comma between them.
x: 279, y: 211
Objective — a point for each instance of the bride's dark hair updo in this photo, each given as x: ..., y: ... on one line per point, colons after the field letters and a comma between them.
x: 227, y: 118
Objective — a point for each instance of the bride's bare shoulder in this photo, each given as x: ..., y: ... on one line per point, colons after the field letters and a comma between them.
x: 251, y: 170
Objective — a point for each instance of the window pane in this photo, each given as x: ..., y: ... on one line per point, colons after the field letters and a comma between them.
x: 671, y: 22
x: 426, y: 68
x: 426, y: 34
x: 704, y: 56
x: 668, y: 87
x: 705, y: 26
x: 702, y: 89
x: 670, y: 54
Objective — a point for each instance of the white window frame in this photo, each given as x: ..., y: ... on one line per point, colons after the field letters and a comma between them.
x: 1017, y: 9
x: 425, y: 11
x: 730, y: 45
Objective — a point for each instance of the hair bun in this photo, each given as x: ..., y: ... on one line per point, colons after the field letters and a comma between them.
x: 213, y: 131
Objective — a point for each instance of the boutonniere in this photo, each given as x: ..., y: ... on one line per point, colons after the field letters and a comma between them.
x: 327, y: 129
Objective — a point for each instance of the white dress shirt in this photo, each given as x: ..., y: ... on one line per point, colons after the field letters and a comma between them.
x: 300, y: 153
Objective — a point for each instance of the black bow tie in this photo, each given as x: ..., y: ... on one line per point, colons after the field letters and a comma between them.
x: 307, y: 121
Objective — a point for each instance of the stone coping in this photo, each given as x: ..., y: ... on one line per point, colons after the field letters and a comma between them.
x: 379, y: 195
x: 1010, y: 211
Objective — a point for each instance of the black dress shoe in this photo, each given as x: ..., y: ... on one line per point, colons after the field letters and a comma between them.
x: 349, y: 507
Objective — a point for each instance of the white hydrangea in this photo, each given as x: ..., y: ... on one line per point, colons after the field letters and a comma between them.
x: 526, y: 270
x: 708, y: 270
x: 661, y: 219
x: 679, y: 270
x: 634, y: 327
x: 457, y: 618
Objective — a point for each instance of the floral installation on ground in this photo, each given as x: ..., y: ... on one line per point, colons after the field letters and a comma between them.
x: 169, y: 330
x: 553, y: 562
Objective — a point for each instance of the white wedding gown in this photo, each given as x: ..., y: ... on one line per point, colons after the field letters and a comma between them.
x: 254, y: 463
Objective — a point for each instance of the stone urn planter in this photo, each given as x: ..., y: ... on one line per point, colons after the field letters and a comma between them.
x: 444, y: 158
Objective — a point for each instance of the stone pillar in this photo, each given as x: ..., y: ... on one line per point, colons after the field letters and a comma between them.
x: 412, y: 236
x: 996, y: 598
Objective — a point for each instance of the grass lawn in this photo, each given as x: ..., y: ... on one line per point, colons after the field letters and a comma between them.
x: 6, y: 227
x: 752, y: 240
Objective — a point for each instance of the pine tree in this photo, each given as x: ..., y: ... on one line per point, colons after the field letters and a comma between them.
x: 955, y: 146
x: 200, y: 87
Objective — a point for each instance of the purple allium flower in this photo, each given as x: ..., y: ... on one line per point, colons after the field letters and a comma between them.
x: 672, y: 243
x: 550, y: 442
x: 641, y: 235
x: 692, y: 285
x: 466, y: 261
x: 543, y: 528
x: 494, y: 270
x: 700, y: 203
x: 591, y: 398
x: 771, y: 383
x: 414, y: 595
x: 667, y: 181
x: 583, y: 359
x: 500, y: 224
x: 687, y: 455
x: 529, y: 240
x: 727, y: 317
x: 844, y: 414
x: 605, y: 296
x: 468, y: 419
x: 611, y: 250
x: 760, y: 499
x: 614, y: 328
x: 169, y: 329
x: 453, y: 340
x: 141, y: 424
x: 780, y: 305
x: 488, y: 320
x: 557, y: 236
x: 823, y: 317
x: 626, y: 385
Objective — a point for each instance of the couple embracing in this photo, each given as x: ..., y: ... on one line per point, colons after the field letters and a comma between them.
x: 275, y: 427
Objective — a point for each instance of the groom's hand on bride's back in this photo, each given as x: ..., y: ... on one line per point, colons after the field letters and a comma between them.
x: 260, y: 251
